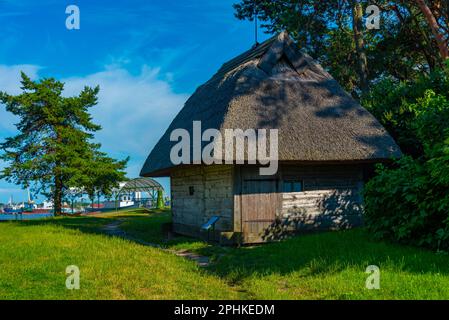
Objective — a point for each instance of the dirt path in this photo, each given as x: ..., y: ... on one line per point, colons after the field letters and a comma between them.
x: 113, y: 229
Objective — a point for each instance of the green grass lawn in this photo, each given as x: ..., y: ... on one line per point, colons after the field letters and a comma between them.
x: 34, y: 255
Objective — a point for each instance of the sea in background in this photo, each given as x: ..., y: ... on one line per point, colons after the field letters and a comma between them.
x: 20, y: 217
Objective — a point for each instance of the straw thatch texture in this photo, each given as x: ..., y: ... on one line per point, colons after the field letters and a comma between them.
x: 275, y: 85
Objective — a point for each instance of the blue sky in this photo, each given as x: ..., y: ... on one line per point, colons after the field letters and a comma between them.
x: 147, y: 56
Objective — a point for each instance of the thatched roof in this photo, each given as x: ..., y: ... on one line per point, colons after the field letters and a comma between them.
x: 275, y: 85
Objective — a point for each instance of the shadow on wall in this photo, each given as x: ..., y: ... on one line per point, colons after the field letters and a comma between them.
x: 336, y: 211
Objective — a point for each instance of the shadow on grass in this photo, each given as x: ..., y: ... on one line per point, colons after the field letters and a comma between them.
x: 89, y: 224
x: 142, y: 224
x: 83, y: 224
x: 311, y: 254
x: 328, y: 252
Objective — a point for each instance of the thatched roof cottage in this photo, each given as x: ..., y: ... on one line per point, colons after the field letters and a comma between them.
x: 326, y: 143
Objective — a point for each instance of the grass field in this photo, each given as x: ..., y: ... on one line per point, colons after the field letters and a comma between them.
x: 35, y: 254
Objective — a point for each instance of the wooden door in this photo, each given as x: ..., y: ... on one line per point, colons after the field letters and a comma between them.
x: 259, y: 207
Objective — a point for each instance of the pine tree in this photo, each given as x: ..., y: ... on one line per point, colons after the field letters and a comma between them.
x: 53, y: 150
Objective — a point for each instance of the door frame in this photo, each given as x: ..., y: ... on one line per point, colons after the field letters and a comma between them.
x: 243, y: 173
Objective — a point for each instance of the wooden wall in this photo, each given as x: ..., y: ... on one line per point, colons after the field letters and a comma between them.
x: 331, y: 197
x: 213, y: 195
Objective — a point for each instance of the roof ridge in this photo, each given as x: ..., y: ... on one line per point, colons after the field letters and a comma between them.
x: 270, y: 52
x: 253, y: 53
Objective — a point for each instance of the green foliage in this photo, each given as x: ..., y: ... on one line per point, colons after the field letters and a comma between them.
x: 53, y: 151
x: 409, y: 202
x: 403, y: 47
x: 160, y: 199
x: 103, y: 175
x: 393, y: 103
x: 406, y: 205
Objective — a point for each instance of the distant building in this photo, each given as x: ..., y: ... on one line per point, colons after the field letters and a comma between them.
x: 48, y: 205
x: 135, y: 192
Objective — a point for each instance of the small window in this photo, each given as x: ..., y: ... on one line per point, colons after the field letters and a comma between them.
x: 293, y: 186
x: 191, y: 190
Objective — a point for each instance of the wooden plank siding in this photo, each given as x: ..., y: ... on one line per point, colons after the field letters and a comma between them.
x: 212, y: 195
x: 257, y: 202
x: 331, y: 196
x: 255, y: 207
x: 260, y: 204
x: 331, y: 199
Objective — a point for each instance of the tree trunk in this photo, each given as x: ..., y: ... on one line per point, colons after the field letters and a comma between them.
x: 426, y: 48
x: 433, y: 24
x: 57, y: 201
x: 362, y: 64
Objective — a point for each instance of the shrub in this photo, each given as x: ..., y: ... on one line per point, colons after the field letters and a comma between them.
x: 408, y: 202
x: 404, y: 204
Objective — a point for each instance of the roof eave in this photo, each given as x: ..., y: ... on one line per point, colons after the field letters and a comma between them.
x: 165, y: 172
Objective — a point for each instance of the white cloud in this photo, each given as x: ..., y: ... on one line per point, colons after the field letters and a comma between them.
x: 10, y: 83
x: 133, y: 110
x: 10, y: 76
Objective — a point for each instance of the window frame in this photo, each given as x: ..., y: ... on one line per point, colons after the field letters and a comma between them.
x: 291, y: 183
